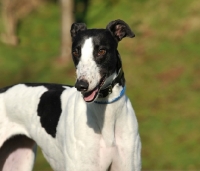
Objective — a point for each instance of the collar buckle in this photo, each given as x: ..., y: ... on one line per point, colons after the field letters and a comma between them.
x: 110, y: 89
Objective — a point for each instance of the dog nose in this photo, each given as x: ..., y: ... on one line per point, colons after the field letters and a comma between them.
x: 82, y: 85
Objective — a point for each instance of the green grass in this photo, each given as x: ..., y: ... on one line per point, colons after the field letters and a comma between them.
x: 161, y: 64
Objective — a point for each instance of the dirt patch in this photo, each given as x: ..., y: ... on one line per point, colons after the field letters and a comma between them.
x: 170, y: 75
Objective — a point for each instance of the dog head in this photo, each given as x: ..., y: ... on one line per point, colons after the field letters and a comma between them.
x: 95, y: 55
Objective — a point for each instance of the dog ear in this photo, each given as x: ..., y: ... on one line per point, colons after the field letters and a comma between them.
x: 77, y: 27
x: 120, y: 29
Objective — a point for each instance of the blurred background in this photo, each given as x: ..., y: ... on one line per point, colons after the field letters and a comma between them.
x: 162, y: 65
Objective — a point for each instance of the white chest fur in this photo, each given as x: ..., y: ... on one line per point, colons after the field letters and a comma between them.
x: 97, y: 135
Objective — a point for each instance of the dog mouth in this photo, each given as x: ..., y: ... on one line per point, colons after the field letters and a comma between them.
x: 91, y: 95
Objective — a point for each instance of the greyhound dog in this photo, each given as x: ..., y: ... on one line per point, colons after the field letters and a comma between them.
x: 89, y: 127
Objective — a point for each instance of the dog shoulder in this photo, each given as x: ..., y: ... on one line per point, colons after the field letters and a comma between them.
x: 43, y: 99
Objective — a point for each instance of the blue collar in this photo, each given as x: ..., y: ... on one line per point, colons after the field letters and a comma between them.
x: 113, y: 100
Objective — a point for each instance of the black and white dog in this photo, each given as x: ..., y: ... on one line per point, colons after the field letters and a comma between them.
x: 92, y: 129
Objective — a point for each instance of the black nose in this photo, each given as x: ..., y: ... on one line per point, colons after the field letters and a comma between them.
x: 82, y: 85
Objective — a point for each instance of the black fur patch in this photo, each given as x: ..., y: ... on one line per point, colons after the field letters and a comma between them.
x: 49, y: 109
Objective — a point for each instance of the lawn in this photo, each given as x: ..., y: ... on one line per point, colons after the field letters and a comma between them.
x: 161, y: 65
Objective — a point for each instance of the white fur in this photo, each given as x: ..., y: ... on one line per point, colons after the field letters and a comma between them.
x: 87, y: 68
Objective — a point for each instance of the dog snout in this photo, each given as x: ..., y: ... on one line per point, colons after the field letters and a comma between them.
x: 82, y: 85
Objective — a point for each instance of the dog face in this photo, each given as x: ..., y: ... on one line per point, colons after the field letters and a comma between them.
x: 95, y: 55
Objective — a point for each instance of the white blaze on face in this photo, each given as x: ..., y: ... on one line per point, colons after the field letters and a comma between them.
x: 87, y: 68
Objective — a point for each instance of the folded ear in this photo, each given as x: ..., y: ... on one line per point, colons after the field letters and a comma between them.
x: 119, y: 29
x: 77, y: 27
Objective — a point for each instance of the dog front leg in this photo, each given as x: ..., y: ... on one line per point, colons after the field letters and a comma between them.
x: 127, y: 156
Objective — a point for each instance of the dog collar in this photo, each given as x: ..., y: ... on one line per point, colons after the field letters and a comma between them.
x: 108, y: 90
x: 113, y: 100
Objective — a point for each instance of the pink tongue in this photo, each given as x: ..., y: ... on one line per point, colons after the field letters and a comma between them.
x: 91, y: 96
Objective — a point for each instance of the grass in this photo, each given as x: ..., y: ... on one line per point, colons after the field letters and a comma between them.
x: 161, y: 66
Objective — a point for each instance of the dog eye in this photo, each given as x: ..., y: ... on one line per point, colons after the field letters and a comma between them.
x: 76, y: 53
x: 101, y: 52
